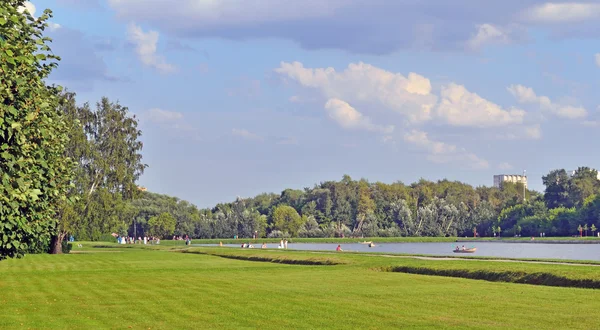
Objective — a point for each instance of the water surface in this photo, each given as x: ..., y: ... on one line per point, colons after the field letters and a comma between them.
x: 487, y: 249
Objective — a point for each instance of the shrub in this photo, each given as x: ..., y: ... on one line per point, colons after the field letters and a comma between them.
x: 107, y: 238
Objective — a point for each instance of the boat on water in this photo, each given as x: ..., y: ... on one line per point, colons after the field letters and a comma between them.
x: 365, y: 242
x: 471, y: 250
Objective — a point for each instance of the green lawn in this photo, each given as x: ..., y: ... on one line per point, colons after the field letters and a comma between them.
x: 161, y: 289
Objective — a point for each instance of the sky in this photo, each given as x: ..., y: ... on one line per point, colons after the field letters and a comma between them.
x: 240, y: 97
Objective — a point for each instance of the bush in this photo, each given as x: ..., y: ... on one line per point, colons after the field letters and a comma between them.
x: 311, y: 233
x: 66, y: 247
x: 278, y: 234
x: 107, y: 238
x: 41, y: 246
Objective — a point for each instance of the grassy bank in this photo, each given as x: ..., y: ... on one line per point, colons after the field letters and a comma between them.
x: 158, y: 288
x: 551, y: 273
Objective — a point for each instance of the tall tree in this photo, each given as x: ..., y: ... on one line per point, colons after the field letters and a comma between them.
x: 286, y: 219
x: 34, y: 174
x: 582, y: 185
x: 366, y: 205
x: 162, y: 225
x: 557, y: 189
x: 105, y: 143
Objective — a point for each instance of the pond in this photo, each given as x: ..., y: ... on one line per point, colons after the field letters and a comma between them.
x: 487, y: 249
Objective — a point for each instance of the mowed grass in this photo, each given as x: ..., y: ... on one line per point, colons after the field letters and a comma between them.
x: 160, y: 289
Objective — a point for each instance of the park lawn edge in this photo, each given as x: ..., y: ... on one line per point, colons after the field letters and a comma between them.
x: 518, y: 273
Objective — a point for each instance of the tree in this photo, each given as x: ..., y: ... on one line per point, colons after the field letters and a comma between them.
x: 287, y: 219
x: 162, y: 225
x: 34, y: 174
x: 582, y: 185
x: 557, y: 184
x: 105, y: 143
x: 499, y: 230
x: 585, y: 228
x: 593, y: 229
x: 365, y: 207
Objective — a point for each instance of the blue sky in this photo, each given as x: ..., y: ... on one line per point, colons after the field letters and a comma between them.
x: 239, y: 97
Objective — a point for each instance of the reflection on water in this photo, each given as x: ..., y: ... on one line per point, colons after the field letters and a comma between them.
x: 488, y: 249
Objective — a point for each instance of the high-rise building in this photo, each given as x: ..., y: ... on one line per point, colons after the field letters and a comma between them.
x: 514, y: 178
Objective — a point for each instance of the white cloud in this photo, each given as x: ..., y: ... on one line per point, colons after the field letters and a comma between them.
x: 441, y: 152
x: 526, y: 95
x: 347, y: 117
x: 562, y: 12
x: 459, y: 107
x: 360, y: 82
x: 159, y: 116
x: 488, y: 34
x: 597, y: 57
x: 410, y: 96
x: 30, y: 7
x: 245, y: 134
x: 505, y: 166
x: 145, y: 48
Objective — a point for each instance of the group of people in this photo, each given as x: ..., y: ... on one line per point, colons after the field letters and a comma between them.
x: 283, y: 244
x: 139, y: 240
x: 186, y: 238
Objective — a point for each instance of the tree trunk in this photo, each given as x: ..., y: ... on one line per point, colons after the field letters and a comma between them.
x: 56, y: 243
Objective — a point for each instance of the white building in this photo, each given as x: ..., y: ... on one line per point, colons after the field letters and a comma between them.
x: 514, y: 178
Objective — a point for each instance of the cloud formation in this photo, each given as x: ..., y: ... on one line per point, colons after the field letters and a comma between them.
x: 145, y: 48
x: 526, y: 95
x: 459, y: 107
x: 359, y: 26
x: 347, y: 117
x: 360, y: 82
x: 441, y: 152
x: 490, y: 34
x: 562, y: 12
x: 410, y: 96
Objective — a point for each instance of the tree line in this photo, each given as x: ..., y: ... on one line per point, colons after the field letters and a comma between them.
x: 359, y: 208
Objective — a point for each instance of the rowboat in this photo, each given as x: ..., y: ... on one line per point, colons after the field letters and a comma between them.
x: 471, y: 250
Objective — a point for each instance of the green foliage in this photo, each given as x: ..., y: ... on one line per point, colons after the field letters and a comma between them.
x: 162, y: 225
x: 106, y: 238
x: 34, y: 174
x: 66, y: 247
x: 105, y: 143
x: 287, y: 219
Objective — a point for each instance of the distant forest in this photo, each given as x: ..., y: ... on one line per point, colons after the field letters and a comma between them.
x: 570, y: 205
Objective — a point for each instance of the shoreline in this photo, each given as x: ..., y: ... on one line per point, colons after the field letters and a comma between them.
x: 542, y: 241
